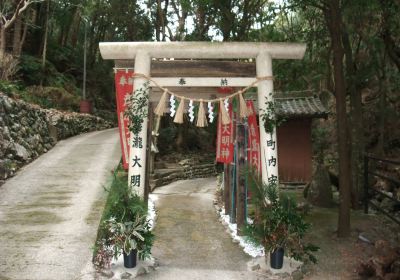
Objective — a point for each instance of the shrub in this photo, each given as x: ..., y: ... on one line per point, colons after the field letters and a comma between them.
x: 278, y: 224
x: 124, y: 225
x: 52, y: 97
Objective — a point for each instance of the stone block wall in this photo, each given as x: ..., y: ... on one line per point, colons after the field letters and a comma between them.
x: 165, y: 177
x: 27, y: 131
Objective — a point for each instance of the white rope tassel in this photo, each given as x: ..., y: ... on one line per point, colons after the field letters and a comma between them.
x: 172, y: 106
x: 191, y: 111
x: 226, y: 104
x: 160, y: 109
x: 201, y: 116
x: 224, y: 114
x: 210, y: 111
x: 179, y: 113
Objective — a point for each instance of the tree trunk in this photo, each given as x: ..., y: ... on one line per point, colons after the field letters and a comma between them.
x: 164, y: 20
x: 382, y: 116
x: 2, y: 43
x: 25, y: 32
x: 357, y: 133
x: 319, y: 190
x: 17, y: 36
x: 334, y: 22
x: 76, y: 22
x: 159, y: 20
x: 227, y: 188
x: 46, y: 31
x: 240, y: 177
x: 357, y: 147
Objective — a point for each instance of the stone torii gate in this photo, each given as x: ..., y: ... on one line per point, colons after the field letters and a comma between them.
x: 143, y: 52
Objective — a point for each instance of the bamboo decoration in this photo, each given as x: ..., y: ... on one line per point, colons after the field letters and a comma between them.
x: 179, y: 113
x: 160, y: 109
x: 201, y: 116
x: 244, y: 112
x: 224, y: 114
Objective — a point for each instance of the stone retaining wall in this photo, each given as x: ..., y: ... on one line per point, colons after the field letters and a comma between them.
x: 165, y: 177
x: 27, y: 131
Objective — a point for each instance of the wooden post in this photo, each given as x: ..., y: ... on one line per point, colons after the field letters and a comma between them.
x: 232, y: 213
x: 227, y: 188
x: 240, y: 178
x: 154, y: 137
x: 233, y: 173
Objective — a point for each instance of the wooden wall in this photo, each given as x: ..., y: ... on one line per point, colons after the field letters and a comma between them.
x: 294, y: 151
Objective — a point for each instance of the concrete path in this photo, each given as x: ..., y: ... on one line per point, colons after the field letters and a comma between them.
x: 190, y: 241
x: 49, y: 212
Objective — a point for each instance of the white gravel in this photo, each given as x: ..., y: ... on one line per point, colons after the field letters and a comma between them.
x: 248, y: 247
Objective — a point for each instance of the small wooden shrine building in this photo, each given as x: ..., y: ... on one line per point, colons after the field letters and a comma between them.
x: 294, y: 135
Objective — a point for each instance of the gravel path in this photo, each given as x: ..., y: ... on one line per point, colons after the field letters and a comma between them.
x: 49, y: 212
x: 190, y: 241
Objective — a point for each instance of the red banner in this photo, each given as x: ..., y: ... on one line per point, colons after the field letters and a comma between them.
x: 253, y: 155
x: 225, y: 139
x: 123, y: 86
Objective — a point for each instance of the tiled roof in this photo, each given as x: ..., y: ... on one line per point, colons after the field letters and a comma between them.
x: 299, y: 106
x: 296, y: 105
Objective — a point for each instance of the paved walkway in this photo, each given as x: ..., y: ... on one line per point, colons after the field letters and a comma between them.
x: 49, y: 212
x: 190, y: 241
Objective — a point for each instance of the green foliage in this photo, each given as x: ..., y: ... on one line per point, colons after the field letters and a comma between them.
x: 57, y: 90
x: 130, y: 235
x: 137, y: 108
x: 278, y: 223
x: 122, y: 203
x: 167, y: 137
x: 320, y: 142
x: 32, y: 73
x: 124, y: 224
x: 271, y: 122
x: 9, y: 88
x: 51, y: 97
x: 30, y: 70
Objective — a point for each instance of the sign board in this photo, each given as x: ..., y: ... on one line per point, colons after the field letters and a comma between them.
x: 253, y: 155
x: 225, y: 139
x: 123, y: 87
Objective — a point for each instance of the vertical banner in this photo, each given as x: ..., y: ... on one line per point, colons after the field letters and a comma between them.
x: 123, y: 87
x: 253, y: 155
x: 225, y: 139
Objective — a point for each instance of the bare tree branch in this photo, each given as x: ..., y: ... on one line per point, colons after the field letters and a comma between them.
x: 21, y: 7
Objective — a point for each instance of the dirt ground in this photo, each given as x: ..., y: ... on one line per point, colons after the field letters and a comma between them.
x: 338, y: 258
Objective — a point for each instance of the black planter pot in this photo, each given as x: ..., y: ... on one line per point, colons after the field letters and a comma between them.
x: 130, y: 260
x: 276, y: 258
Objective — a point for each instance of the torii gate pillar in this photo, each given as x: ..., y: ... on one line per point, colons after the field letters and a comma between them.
x: 143, y: 52
x: 137, y: 162
x: 268, y: 143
